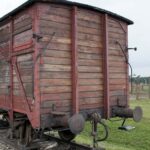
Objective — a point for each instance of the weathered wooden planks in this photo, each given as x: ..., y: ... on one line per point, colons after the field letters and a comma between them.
x: 4, y: 65
x: 88, y: 15
x: 56, y: 61
x: 90, y: 58
x: 22, y: 29
x: 117, y: 62
x: 87, y: 56
x: 54, y: 82
x: 53, y: 23
x: 55, y: 89
x: 53, y: 96
x: 55, y: 75
x: 4, y: 78
x: 89, y: 50
x: 23, y: 37
x: 54, y: 9
x: 56, y: 18
x: 4, y: 33
x: 55, y: 67
x: 25, y: 71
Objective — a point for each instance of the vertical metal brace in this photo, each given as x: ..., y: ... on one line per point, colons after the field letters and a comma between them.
x: 22, y: 87
x: 75, y: 90
x: 11, y: 68
x: 105, y: 67
x: 127, y: 69
x: 37, y: 93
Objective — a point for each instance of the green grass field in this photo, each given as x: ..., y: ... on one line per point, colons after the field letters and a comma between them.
x: 136, y: 139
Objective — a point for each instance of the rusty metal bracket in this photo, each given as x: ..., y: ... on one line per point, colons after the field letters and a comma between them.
x: 122, y: 26
x: 135, y: 48
x: 123, y: 51
x: 57, y: 113
x: 21, y: 85
x: 37, y: 37
x: 96, y: 121
x: 127, y: 61
x: 127, y: 78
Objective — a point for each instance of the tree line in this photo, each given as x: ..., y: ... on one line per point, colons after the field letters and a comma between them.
x: 139, y: 79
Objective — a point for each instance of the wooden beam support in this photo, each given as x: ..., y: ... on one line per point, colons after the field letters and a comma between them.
x: 11, y: 70
x: 75, y: 90
x: 127, y: 70
x: 106, y: 69
x: 36, y: 83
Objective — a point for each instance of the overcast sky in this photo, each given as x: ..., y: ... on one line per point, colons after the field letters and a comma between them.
x: 136, y: 10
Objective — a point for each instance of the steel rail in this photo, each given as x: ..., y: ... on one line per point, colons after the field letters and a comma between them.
x: 73, y: 145
x: 12, y: 144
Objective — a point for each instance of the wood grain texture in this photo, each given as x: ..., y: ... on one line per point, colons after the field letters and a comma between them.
x: 55, y: 75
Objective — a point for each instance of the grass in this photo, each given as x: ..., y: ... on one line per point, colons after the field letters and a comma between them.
x: 136, y: 139
x: 146, y: 88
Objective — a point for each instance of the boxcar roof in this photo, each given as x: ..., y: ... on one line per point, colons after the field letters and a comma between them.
x: 65, y: 2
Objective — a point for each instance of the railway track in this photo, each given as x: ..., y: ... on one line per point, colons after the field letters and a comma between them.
x: 6, y: 144
x: 71, y: 145
x: 47, y: 143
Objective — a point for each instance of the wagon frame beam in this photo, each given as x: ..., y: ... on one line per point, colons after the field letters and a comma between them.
x: 75, y: 90
x: 105, y: 68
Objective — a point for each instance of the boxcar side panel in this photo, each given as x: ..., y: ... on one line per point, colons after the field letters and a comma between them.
x: 15, y: 52
x: 4, y: 65
x: 22, y: 60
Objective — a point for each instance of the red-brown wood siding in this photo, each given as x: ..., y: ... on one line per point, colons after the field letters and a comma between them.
x: 117, y: 32
x: 55, y: 66
x: 48, y: 82
x: 90, y: 47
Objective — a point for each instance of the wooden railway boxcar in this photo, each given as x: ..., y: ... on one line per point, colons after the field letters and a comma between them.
x: 60, y: 58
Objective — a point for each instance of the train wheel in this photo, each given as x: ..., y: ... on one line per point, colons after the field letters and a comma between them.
x: 66, y: 135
